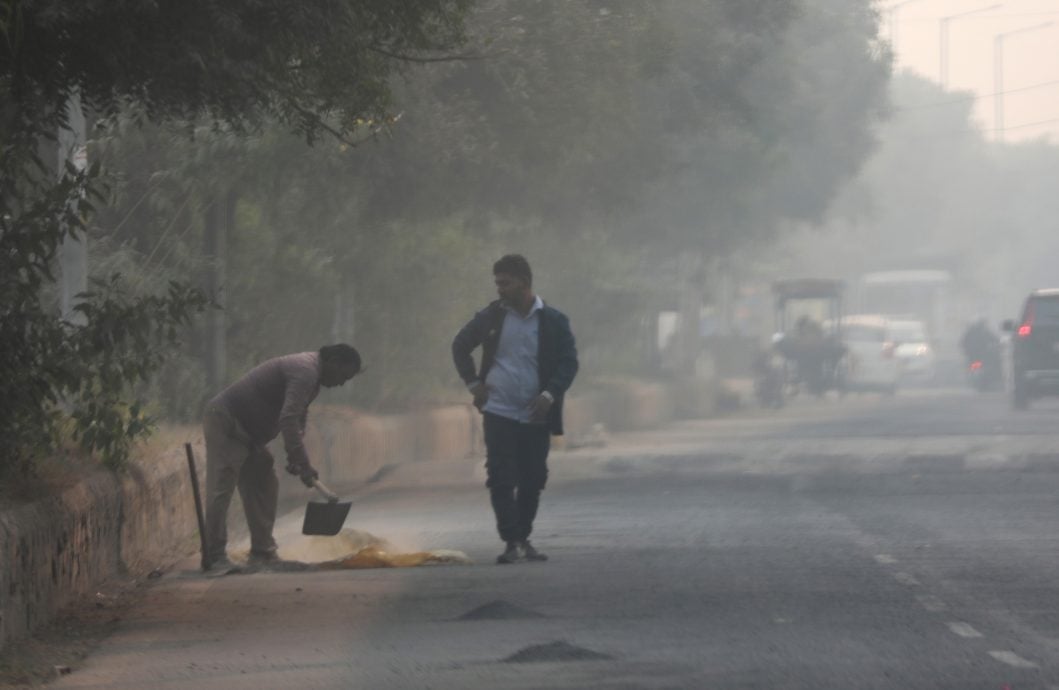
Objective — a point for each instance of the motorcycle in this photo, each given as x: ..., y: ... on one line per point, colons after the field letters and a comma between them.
x: 983, y: 375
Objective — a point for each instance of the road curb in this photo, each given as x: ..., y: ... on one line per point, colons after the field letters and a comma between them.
x: 734, y: 462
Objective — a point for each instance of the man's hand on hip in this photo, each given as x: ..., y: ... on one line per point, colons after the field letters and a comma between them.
x: 540, y: 407
x: 480, y: 393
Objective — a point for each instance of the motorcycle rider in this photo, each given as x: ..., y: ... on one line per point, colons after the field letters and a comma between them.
x: 980, y: 344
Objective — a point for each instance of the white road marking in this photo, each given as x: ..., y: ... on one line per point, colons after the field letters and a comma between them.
x: 963, y: 630
x: 885, y: 559
x: 932, y: 603
x: 906, y: 579
x: 1012, y: 659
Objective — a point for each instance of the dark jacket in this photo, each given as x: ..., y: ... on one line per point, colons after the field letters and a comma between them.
x: 556, y: 353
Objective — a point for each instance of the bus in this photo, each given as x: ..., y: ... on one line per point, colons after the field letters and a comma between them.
x: 920, y: 295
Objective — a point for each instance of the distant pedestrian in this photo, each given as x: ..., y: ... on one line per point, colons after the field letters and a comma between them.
x: 528, y: 362
x: 272, y: 399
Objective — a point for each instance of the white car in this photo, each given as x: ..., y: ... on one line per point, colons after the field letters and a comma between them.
x: 871, y: 360
x: 914, y: 352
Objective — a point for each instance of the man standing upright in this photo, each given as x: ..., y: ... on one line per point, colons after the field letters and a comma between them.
x: 528, y: 361
x: 272, y: 399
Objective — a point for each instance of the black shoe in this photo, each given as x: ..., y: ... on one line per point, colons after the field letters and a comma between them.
x: 258, y: 558
x: 510, y: 554
x: 221, y: 566
x: 532, y: 554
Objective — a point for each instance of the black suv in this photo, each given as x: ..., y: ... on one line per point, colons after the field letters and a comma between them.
x: 1035, y: 348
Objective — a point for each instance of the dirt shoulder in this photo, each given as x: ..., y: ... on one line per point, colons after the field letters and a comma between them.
x: 34, y: 661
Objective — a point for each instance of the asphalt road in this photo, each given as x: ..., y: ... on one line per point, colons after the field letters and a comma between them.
x: 860, y: 543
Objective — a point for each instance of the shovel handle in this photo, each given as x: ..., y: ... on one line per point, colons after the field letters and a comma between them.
x: 198, y: 506
x: 331, y: 496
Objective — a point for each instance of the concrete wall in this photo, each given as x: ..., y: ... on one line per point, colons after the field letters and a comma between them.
x: 58, y: 549
x: 55, y: 550
x: 349, y: 447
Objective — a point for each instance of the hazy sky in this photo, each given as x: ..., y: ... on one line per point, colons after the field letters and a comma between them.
x: 1030, y: 59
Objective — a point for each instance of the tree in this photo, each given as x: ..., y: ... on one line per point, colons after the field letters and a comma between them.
x: 316, y: 68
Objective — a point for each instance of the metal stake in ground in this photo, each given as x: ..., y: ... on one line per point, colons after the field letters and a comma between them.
x: 198, y: 505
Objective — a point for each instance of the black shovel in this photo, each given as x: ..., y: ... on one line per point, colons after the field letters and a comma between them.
x: 325, y: 519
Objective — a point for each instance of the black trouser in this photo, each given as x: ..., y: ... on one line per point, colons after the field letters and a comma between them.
x: 517, y: 470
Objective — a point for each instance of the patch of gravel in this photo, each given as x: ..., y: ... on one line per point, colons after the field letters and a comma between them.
x: 497, y: 611
x: 558, y: 651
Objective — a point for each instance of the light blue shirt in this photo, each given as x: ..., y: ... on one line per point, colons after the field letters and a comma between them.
x: 513, y: 381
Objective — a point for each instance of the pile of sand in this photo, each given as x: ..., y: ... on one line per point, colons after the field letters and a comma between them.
x: 352, y: 549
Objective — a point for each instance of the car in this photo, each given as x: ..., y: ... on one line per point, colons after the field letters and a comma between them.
x: 913, y: 350
x: 871, y: 359
x: 1035, y: 348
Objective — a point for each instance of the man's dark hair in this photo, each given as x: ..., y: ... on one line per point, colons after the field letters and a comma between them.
x: 341, y: 353
x: 515, y: 265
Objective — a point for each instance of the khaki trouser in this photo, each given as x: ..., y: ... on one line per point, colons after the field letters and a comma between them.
x: 233, y: 460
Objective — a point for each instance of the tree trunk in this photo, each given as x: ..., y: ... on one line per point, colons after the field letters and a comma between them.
x: 343, y: 323
x: 691, y: 277
x: 73, y: 252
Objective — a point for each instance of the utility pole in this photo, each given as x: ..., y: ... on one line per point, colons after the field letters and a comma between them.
x: 998, y: 75
x: 218, y: 224
x: 73, y: 252
x: 943, y: 41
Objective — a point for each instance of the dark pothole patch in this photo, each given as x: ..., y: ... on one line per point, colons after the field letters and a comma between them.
x: 559, y: 651
x: 499, y: 610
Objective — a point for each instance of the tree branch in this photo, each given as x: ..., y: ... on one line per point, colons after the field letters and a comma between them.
x: 337, y: 134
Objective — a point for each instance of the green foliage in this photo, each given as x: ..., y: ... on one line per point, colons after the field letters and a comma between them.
x: 316, y: 67
x: 79, y: 370
x: 765, y: 109
x: 123, y: 342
